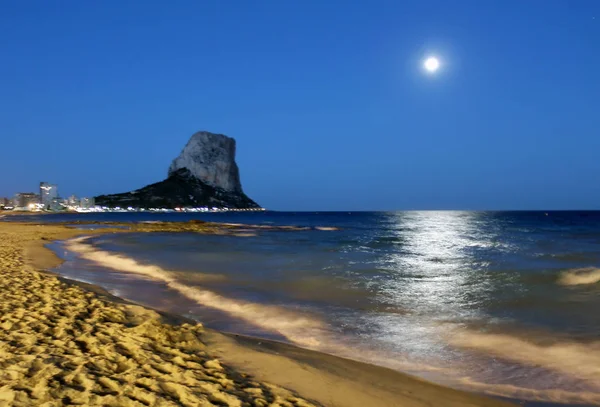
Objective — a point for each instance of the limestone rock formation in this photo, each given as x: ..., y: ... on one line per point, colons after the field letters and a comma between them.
x: 205, y: 174
x: 210, y: 158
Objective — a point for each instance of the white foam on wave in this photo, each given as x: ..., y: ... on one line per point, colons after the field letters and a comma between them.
x: 523, y: 393
x: 298, y: 328
x: 579, y: 360
x: 301, y: 329
x: 588, y: 275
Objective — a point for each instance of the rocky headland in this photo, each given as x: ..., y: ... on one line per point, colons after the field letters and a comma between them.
x: 204, y: 174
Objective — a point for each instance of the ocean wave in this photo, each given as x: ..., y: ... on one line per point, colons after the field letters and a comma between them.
x: 575, y: 359
x: 298, y: 328
x: 589, y: 275
x: 244, y: 234
x: 281, y: 227
x: 524, y: 393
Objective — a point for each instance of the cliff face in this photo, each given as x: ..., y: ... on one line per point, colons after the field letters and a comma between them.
x: 210, y: 158
x: 205, y: 174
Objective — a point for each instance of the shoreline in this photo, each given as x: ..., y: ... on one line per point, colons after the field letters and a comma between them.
x: 326, y: 379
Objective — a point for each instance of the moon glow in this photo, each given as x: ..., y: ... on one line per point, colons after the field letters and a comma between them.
x: 431, y: 64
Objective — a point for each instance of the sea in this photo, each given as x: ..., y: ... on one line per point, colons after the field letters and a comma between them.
x: 502, y: 303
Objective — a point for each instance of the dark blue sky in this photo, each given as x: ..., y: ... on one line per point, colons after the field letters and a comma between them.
x: 327, y: 99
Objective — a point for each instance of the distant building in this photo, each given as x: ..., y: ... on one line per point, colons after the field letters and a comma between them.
x: 86, y: 203
x: 4, y: 202
x: 73, y: 201
x: 25, y: 200
x: 48, y: 193
x: 57, y: 204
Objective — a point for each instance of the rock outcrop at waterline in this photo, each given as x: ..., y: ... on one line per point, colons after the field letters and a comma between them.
x: 205, y: 174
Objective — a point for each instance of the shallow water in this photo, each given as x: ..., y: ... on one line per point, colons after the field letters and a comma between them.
x: 501, y: 302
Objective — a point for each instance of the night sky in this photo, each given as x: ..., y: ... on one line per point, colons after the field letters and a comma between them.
x: 328, y: 100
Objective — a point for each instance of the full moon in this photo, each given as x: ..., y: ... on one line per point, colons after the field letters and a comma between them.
x: 431, y: 64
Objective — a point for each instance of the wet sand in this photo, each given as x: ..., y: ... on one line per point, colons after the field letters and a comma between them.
x: 66, y: 343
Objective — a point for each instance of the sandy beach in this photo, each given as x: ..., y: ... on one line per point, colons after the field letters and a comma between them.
x: 66, y: 343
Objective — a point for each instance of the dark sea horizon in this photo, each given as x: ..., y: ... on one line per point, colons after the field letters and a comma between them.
x: 504, y: 303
